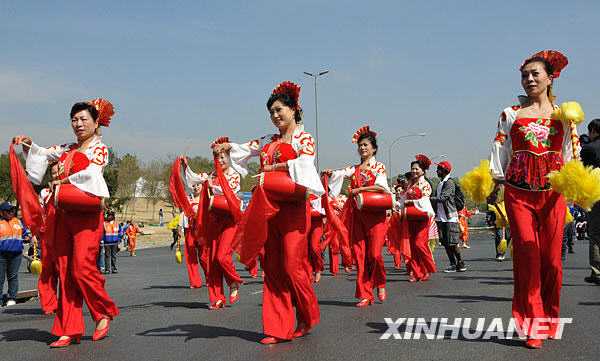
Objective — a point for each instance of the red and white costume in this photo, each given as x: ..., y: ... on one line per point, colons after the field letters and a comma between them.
x: 367, y: 229
x: 195, y: 253
x: 418, y: 215
x: 74, y: 237
x: 220, y: 229
x: 524, y: 151
x: 283, y: 233
x: 315, y: 234
x: 48, y: 280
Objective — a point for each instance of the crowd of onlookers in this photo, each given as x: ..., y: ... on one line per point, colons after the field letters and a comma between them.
x: 115, y: 237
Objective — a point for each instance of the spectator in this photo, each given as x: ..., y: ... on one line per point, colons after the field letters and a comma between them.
x: 496, y: 217
x: 161, y: 218
x: 446, y: 217
x: 111, y: 243
x: 124, y: 238
x: 132, y: 231
x: 590, y: 155
x: 173, y: 226
x: 12, y: 233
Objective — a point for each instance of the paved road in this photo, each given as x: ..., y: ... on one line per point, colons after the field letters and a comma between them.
x: 162, y: 319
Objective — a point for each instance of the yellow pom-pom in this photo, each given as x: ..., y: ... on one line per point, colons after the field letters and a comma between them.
x: 577, y: 183
x: 478, y: 184
x: 178, y: 256
x: 568, y: 217
x: 501, y: 249
x: 432, y: 243
x: 36, y: 267
x: 569, y: 112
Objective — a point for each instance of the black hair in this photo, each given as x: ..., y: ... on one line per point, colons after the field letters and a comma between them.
x: 547, y: 66
x: 289, y: 102
x: 81, y: 106
x: 371, y: 138
x: 594, y: 125
x: 421, y: 165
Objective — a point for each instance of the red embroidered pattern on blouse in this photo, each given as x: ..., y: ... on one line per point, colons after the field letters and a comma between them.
x: 307, y: 143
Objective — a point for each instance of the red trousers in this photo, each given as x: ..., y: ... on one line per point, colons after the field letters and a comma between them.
x: 220, y: 232
x: 367, y: 238
x: 334, y: 261
x: 287, y: 281
x: 421, y: 262
x: 195, y: 254
x: 76, y: 245
x: 536, y: 225
x: 315, y: 255
x: 48, y: 280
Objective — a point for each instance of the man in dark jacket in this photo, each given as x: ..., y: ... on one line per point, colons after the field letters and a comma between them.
x: 590, y: 155
x: 446, y: 217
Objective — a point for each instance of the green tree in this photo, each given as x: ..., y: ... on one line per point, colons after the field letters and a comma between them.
x: 6, y: 192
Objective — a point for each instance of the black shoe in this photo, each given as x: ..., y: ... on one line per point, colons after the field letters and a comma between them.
x: 450, y: 269
x: 106, y: 272
x: 571, y: 250
x: 461, y: 267
x: 592, y: 279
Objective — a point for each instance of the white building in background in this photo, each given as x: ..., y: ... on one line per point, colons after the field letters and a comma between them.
x: 142, y: 191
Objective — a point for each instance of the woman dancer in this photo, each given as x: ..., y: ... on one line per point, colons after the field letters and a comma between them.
x: 419, y: 213
x: 530, y: 144
x: 217, y: 224
x: 76, y: 232
x: 280, y: 224
x: 367, y: 228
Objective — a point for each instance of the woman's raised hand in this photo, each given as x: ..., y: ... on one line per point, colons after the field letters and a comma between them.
x: 24, y: 140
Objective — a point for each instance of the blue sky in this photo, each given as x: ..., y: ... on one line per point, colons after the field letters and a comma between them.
x: 183, y: 72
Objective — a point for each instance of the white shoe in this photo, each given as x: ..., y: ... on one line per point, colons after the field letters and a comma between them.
x: 10, y: 303
x: 466, y: 246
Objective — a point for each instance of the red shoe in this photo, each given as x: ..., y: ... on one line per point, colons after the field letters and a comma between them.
x: 364, y: 302
x: 66, y: 341
x: 382, y: 295
x: 234, y: 299
x: 217, y: 305
x: 534, y: 343
x: 412, y: 278
x: 100, y: 334
x: 269, y: 340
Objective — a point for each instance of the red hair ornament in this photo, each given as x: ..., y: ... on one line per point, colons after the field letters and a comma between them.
x: 105, y: 110
x: 290, y: 89
x: 555, y: 58
x: 423, y: 160
x: 362, y: 130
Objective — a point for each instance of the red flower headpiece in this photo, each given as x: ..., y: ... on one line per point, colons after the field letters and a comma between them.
x: 362, y: 130
x: 555, y: 58
x: 290, y: 89
x: 423, y: 160
x: 219, y: 140
x: 105, y: 110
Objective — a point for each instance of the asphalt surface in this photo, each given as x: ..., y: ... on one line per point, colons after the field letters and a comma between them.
x: 162, y: 319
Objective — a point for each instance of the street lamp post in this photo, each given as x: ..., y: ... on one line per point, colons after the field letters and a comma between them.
x: 396, y: 141
x: 315, y: 76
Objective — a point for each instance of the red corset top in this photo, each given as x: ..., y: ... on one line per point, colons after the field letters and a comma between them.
x: 536, y: 151
x: 79, y: 162
x: 276, y: 152
x: 362, y: 178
